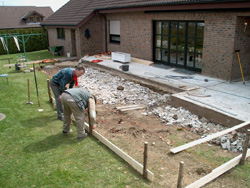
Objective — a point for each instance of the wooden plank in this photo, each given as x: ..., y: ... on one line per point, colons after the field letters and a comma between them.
x: 135, y: 108
x: 105, y: 57
x: 209, y: 137
x: 142, y: 61
x: 123, y: 107
x: 217, y: 172
x: 30, y: 62
x: 136, y: 165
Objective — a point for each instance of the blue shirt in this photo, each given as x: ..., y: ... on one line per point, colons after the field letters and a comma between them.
x: 63, y: 77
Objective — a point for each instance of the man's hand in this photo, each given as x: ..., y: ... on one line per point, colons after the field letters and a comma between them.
x: 94, y: 126
x: 59, y: 98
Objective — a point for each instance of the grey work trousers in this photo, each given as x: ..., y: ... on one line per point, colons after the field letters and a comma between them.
x: 69, y: 107
x: 56, y: 90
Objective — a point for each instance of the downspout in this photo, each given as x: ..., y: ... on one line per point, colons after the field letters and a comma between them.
x: 105, y: 30
x: 47, y: 34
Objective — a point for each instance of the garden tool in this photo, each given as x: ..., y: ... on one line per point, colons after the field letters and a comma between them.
x: 238, y: 54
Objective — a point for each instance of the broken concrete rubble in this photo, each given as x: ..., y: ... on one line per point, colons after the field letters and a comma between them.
x: 105, y: 87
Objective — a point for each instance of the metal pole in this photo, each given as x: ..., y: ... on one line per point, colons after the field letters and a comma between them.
x: 145, y: 160
x: 24, y: 50
x: 244, y: 153
x: 36, y: 85
x: 179, y: 183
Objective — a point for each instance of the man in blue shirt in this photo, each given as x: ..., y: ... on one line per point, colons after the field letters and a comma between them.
x: 75, y: 101
x: 60, y: 80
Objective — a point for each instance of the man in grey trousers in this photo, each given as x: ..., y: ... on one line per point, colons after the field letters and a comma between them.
x: 75, y: 101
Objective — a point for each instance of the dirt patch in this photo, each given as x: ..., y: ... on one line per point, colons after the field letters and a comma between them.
x: 131, y: 129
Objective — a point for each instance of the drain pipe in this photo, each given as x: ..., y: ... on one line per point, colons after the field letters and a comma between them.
x: 105, y: 32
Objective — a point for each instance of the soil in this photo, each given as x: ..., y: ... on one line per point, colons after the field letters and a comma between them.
x: 131, y: 129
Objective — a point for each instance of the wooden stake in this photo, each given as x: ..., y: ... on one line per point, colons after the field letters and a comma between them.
x: 9, y: 63
x: 90, y: 126
x: 29, y: 92
x: 244, y: 153
x: 145, y: 160
x: 49, y: 92
x: 179, y: 183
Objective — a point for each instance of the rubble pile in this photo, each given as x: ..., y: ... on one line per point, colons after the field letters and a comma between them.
x: 115, y: 90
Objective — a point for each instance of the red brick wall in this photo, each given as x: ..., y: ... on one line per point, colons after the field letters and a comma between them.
x: 223, y: 34
x: 96, y: 41
x: 219, y: 38
x: 54, y: 41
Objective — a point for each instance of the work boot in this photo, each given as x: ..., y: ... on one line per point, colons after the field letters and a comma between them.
x: 81, y: 138
x: 65, y: 133
x: 60, y: 118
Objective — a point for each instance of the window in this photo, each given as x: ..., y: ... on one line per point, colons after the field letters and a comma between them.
x: 60, y: 33
x: 179, y: 43
x: 31, y: 19
x: 38, y: 19
x: 114, y: 31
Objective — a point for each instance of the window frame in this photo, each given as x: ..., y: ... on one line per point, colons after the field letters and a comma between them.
x: 60, y: 33
x: 38, y: 17
x: 114, y: 32
x: 31, y: 21
x: 181, y: 39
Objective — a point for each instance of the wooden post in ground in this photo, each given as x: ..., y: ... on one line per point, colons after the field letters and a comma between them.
x: 179, y: 183
x: 145, y: 160
x: 9, y: 63
x: 90, y: 126
x: 244, y: 153
x: 29, y: 92
x: 49, y: 92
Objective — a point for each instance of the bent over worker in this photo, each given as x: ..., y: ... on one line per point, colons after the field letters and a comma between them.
x: 60, y: 80
x: 75, y: 101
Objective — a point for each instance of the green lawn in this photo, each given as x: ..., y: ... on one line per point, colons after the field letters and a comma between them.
x: 33, y: 151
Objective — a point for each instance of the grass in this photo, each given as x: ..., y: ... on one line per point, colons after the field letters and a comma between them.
x: 33, y: 151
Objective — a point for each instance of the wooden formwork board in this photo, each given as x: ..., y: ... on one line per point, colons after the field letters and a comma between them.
x: 209, y: 137
x: 130, y: 107
x: 136, y: 165
x: 218, y: 171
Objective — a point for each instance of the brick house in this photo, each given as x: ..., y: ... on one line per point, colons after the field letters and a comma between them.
x: 191, y: 34
x: 14, y: 17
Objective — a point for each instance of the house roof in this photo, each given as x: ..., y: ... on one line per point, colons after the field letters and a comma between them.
x: 31, y: 13
x: 77, y: 12
x: 13, y: 16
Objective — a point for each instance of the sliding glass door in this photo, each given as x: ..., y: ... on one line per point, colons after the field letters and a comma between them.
x: 179, y: 43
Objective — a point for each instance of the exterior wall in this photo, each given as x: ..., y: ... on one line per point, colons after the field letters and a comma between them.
x: 83, y: 46
x: 242, y: 43
x: 136, y: 35
x: 54, y: 41
x: 96, y: 42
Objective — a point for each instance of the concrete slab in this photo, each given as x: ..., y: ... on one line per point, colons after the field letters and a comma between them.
x: 220, y: 101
